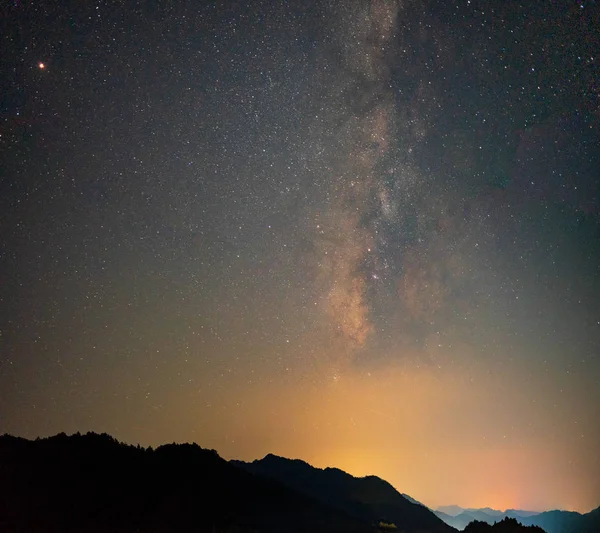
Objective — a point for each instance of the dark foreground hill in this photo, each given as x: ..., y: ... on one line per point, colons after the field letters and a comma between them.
x: 95, y: 484
x: 507, y: 525
x: 368, y: 500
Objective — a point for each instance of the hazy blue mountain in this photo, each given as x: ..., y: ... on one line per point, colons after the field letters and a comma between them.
x: 455, y: 510
x: 457, y: 522
x: 461, y: 520
x: 442, y: 515
x: 555, y: 521
x: 487, y: 510
x: 451, y: 510
x: 550, y: 521
x: 591, y: 521
x: 519, y: 513
x: 566, y: 521
x: 486, y: 514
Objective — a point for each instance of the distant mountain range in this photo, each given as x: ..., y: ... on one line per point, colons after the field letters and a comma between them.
x: 94, y: 483
x: 550, y: 521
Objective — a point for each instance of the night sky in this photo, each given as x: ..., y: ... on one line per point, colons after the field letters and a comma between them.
x: 365, y: 234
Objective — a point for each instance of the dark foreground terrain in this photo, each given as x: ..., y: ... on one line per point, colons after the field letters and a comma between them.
x: 95, y: 484
x: 506, y: 525
x: 369, y: 499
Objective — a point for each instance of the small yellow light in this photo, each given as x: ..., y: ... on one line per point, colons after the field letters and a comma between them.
x: 42, y: 66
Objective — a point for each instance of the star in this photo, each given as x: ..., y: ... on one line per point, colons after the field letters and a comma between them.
x: 366, y: 208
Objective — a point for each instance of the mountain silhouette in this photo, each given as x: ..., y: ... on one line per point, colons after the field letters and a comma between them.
x: 462, y: 519
x: 519, y: 513
x: 566, y: 521
x: 411, y: 499
x: 451, y: 510
x: 95, y: 484
x: 486, y: 510
x: 368, y: 499
x: 550, y: 521
x: 506, y: 525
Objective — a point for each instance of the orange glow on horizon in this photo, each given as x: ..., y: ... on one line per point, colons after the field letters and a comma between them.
x: 441, y: 436
x: 419, y: 430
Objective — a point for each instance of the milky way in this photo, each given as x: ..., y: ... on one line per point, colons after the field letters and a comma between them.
x: 362, y: 233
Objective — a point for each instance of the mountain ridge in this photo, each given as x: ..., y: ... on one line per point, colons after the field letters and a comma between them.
x: 96, y: 484
x: 553, y: 521
x: 367, y: 498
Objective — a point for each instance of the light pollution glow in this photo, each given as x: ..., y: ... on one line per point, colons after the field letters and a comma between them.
x: 439, y: 435
x: 366, y: 237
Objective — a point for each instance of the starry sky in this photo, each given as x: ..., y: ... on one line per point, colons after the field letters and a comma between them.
x: 360, y: 233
